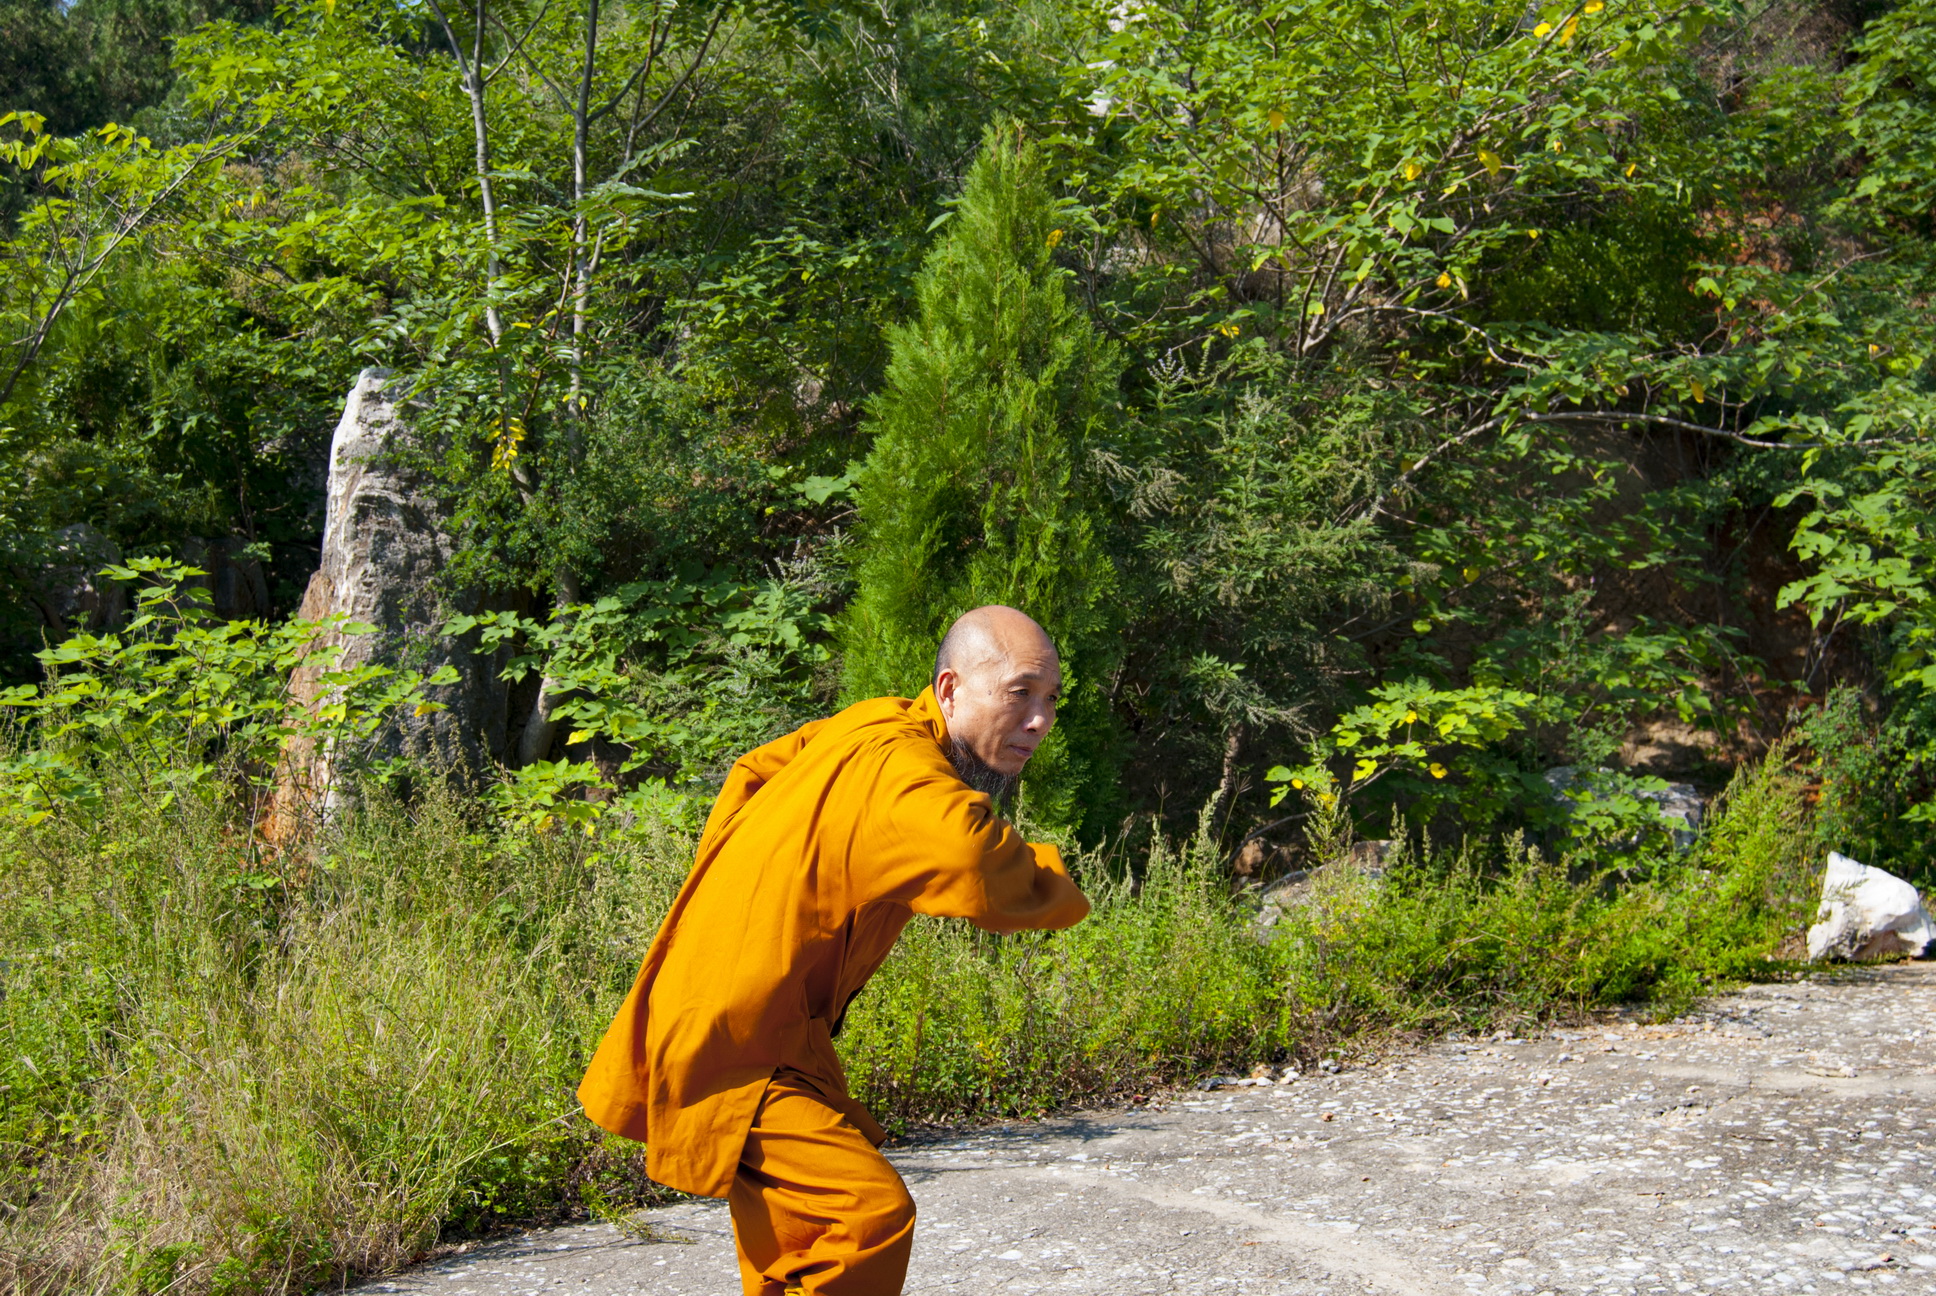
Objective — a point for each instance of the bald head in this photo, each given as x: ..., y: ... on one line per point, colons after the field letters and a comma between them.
x: 987, y: 634
x: 997, y: 679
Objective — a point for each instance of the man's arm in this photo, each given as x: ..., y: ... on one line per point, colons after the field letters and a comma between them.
x: 938, y: 847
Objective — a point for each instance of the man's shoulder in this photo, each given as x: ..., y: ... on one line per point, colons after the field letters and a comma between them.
x: 885, y: 719
x: 877, y: 733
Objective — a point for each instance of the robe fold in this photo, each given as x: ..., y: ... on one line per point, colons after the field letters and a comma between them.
x: 820, y: 848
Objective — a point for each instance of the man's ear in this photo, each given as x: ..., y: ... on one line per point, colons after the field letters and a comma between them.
x: 944, y: 692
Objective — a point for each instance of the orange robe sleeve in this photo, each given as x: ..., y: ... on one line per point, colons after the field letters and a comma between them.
x: 940, y: 848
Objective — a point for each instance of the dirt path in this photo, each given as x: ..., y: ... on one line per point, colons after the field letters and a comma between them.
x: 1778, y: 1140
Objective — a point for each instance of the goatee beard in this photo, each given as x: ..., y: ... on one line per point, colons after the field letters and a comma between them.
x: 978, y: 774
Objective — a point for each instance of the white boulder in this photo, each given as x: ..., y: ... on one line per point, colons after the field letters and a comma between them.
x: 1867, y: 913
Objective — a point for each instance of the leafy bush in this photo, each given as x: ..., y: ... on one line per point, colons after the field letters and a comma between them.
x: 187, y: 704
x: 1163, y: 980
x: 261, y: 1082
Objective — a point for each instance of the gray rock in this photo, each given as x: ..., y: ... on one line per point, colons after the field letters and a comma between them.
x: 72, y: 595
x: 1867, y: 913
x: 1362, y: 862
x: 386, y: 542
x: 1681, y: 804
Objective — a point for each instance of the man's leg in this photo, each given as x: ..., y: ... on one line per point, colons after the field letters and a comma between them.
x: 815, y: 1206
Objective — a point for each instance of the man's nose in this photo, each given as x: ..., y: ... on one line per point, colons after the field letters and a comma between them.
x: 1042, y: 720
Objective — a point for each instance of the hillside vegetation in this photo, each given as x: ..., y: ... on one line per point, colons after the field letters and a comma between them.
x: 1382, y: 405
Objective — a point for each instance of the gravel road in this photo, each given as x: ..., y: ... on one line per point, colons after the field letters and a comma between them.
x: 1776, y: 1140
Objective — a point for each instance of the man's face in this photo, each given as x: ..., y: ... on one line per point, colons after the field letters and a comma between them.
x: 1001, y: 705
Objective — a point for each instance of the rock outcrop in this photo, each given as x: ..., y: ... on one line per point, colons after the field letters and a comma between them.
x: 386, y: 543
x: 71, y: 595
x: 1867, y: 913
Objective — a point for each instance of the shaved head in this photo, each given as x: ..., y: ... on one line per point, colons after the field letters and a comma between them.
x: 984, y: 634
x: 997, y: 679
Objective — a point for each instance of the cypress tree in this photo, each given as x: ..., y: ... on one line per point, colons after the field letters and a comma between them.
x: 975, y: 490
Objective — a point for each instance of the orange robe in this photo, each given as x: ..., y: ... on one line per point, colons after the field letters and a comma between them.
x: 821, y: 847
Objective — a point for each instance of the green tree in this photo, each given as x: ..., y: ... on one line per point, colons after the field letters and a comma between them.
x: 977, y: 490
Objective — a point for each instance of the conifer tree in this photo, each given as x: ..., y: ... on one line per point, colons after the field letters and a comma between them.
x: 975, y: 490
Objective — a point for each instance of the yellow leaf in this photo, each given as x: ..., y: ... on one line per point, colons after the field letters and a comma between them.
x: 1277, y: 119
x: 1490, y: 161
x: 1411, y: 717
x: 424, y: 708
x: 1444, y: 280
x: 329, y: 6
x: 1055, y: 237
x: 1438, y: 770
x: 1471, y: 574
x: 510, y: 434
x: 1566, y: 32
x: 1532, y: 234
x: 1297, y: 783
x: 1363, y: 769
x: 1700, y: 392
x: 1542, y: 29
x: 1558, y: 145
x: 1594, y: 6
x: 1631, y: 168
x: 1413, y: 170
x: 1326, y: 798
x: 578, y: 736
x: 1874, y: 349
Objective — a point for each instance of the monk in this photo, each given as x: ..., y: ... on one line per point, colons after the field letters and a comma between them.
x: 820, y: 848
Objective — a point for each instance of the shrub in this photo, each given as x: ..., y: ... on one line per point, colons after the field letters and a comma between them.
x: 975, y: 490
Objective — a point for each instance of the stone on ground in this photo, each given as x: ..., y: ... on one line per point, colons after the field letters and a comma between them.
x: 1867, y: 913
x: 70, y: 593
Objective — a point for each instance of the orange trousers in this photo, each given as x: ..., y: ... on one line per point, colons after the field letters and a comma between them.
x: 816, y: 1208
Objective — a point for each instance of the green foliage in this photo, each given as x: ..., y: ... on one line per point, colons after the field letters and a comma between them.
x: 182, y: 705
x: 1878, y: 778
x: 1406, y: 395
x: 203, y: 1074
x: 1457, y: 939
x: 977, y: 490
x: 85, y: 64
x: 1890, y: 106
x: 675, y: 679
x: 201, y: 1039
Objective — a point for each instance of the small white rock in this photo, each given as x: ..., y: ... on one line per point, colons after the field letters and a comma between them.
x: 1866, y: 913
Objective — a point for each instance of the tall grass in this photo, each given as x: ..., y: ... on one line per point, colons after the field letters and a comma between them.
x: 229, y: 1074
x: 226, y: 1072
